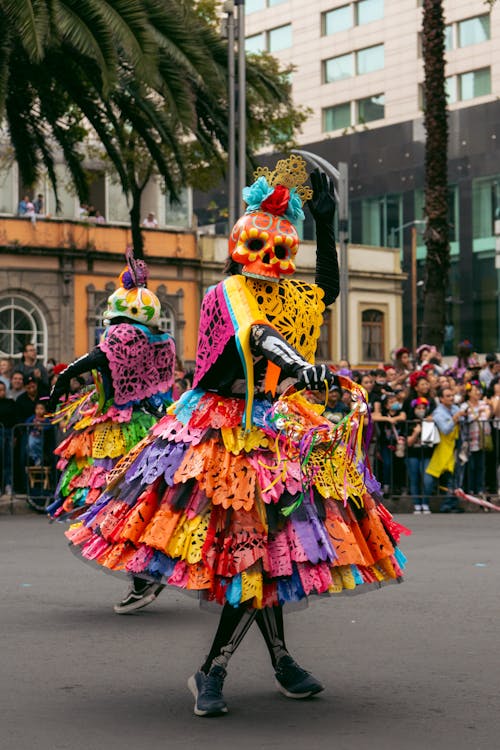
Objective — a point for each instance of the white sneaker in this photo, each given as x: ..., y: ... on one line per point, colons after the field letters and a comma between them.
x: 417, y: 510
x: 426, y: 510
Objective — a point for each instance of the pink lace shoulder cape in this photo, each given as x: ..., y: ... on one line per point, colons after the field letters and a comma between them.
x: 141, y: 363
x: 215, y: 330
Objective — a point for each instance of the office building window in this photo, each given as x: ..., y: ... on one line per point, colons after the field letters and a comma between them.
x: 338, y: 68
x: 377, y: 221
x: 485, y: 210
x: 372, y: 332
x: 255, y: 44
x: 337, y: 20
x: 450, y: 85
x: 369, y: 10
x: 370, y: 59
x: 280, y: 38
x: 475, y: 83
x: 337, y: 117
x: 474, y: 30
x: 354, y: 63
x: 251, y: 6
x: 371, y: 108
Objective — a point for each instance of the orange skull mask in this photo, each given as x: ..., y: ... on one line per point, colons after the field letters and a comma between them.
x: 265, y: 245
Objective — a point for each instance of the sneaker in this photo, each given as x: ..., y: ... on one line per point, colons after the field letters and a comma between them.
x: 426, y: 510
x: 138, y: 599
x: 293, y: 681
x: 207, y: 690
x: 417, y: 510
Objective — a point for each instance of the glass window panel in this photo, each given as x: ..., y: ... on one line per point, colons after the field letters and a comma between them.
x: 473, y: 31
x: 339, y: 19
x: 370, y: 10
x: 448, y: 37
x: 117, y: 208
x: 275, y: 2
x: 371, y: 221
x: 450, y: 85
x: 485, y: 207
x: 255, y: 44
x: 338, y: 68
x: 370, y: 59
x: 393, y: 217
x: 370, y: 109
x: 251, y: 6
x: 337, y: 117
x: 179, y: 214
x: 280, y: 38
x: 8, y: 203
x: 66, y: 194
x: 476, y: 83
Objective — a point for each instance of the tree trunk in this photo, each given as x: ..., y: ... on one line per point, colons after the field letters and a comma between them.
x: 135, y: 223
x: 436, y: 175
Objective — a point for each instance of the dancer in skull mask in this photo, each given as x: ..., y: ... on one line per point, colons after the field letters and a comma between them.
x: 133, y: 368
x: 244, y: 492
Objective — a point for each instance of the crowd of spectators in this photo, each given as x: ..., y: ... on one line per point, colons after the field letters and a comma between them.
x: 27, y: 441
x: 436, y: 426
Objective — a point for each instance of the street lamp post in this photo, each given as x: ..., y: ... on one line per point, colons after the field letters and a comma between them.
x: 341, y: 176
x: 242, y: 122
x: 229, y: 10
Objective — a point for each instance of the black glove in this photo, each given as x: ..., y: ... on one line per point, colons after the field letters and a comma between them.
x: 269, y: 343
x: 95, y: 360
x: 314, y: 376
x: 322, y: 206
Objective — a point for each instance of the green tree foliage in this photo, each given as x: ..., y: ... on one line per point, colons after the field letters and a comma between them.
x: 146, y: 79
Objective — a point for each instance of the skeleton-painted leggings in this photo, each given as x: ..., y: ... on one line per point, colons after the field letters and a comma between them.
x: 234, y: 624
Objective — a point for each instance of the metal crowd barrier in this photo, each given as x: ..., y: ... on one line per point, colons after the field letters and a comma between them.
x: 27, y: 465
x: 477, y: 471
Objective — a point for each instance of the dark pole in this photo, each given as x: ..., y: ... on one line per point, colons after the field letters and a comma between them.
x: 229, y: 9
x: 242, y: 135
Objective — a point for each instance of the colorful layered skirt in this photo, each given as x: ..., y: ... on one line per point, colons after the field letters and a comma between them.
x: 97, y: 438
x: 267, y: 515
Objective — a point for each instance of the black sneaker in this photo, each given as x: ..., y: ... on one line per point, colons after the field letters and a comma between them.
x: 207, y: 690
x: 295, y: 682
x: 138, y: 599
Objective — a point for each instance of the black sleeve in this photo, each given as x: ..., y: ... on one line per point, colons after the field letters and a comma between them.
x: 327, y: 262
x: 94, y: 360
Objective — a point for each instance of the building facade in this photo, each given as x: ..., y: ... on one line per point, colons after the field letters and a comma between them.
x: 358, y: 67
x: 56, y: 276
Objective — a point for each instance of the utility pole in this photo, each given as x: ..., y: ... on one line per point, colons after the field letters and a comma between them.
x: 231, y: 99
x: 343, y: 208
x: 242, y: 122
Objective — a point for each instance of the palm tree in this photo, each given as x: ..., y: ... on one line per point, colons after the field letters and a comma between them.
x: 436, y: 174
x: 150, y: 87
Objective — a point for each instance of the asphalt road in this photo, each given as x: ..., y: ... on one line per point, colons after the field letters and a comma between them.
x: 414, y: 666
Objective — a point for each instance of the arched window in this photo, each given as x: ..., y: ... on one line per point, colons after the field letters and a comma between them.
x: 372, y: 329
x: 167, y: 320
x: 21, y: 322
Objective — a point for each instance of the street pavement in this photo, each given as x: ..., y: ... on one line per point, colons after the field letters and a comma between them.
x: 410, y: 667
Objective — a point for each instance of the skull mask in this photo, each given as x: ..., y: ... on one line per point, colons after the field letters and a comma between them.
x: 265, y: 245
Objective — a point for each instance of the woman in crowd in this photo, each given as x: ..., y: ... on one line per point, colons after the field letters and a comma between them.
x: 477, y: 434
x: 418, y: 455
